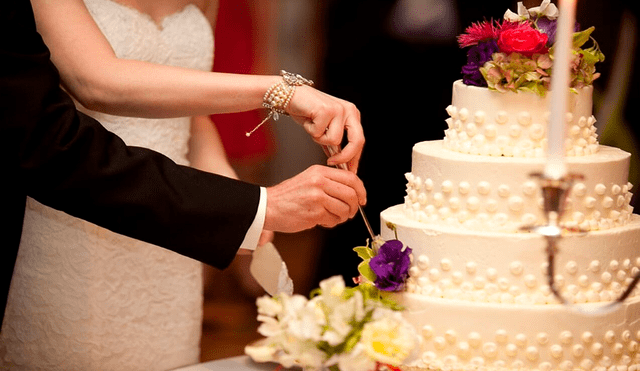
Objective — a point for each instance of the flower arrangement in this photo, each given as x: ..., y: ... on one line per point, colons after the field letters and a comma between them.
x: 339, y: 329
x: 385, y: 264
x: 517, y: 53
x: 342, y: 328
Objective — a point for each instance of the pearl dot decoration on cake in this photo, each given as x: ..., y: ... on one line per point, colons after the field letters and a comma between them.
x: 427, y: 331
x: 511, y: 350
x: 474, y: 339
x: 614, y: 265
x: 490, y: 350
x: 446, y: 265
x: 566, y: 337
x: 464, y: 188
x: 473, y: 204
x: 434, y: 274
x: 597, y: 349
x: 516, y: 268
x: 521, y: 340
x: 456, y: 203
x: 542, y: 338
x: 423, y: 262
x: 571, y: 267
x: 519, y: 120
x: 484, y: 188
x: 556, y: 351
x: 454, y: 351
x: 532, y: 353
x: 503, y: 191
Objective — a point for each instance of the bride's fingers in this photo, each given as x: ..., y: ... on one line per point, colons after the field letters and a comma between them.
x: 314, y: 128
x: 353, y: 150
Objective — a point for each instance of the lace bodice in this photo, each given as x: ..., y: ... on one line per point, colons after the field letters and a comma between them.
x: 84, y: 298
x: 183, y: 39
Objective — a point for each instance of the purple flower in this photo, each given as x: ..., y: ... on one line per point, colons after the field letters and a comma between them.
x: 391, y: 266
x: 476, y: 58
x: 549, y: 26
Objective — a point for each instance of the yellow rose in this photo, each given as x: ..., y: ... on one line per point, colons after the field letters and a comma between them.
x: 388, y: 338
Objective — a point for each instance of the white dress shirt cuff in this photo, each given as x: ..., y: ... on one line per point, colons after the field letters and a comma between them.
x: 253, y: 234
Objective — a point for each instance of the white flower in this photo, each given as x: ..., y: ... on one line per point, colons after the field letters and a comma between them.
x: 300, y: 353
x: 388, y: 338
x: 332, y: 286
x: 261, y: 353
x: 546, y: 9
x: 304, y: 321
x: 268, y: 306
x: 513, y: 17
x: 356, y: 360
x: 269, y: 326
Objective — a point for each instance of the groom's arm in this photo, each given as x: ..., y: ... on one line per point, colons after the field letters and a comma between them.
x: 70, y: 162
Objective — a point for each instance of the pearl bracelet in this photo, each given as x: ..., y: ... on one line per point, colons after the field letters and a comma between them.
x: 278, y: 96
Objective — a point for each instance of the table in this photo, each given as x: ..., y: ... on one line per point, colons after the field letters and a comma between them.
x: 239, y: 363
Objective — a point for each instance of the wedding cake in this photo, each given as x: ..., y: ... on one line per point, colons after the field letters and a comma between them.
x: 477, y: 290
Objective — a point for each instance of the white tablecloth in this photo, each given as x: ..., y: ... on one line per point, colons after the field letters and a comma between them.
x: 240, y: 363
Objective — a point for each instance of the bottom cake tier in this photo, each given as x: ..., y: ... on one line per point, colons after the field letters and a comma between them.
x: 480, y: 300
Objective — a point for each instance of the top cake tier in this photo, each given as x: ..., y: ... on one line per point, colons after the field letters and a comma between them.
x: 492, y: 123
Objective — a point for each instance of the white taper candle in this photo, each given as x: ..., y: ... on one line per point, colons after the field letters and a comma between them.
x: 555, y: 167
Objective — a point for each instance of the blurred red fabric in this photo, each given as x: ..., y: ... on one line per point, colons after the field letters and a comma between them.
x: 235, y: 52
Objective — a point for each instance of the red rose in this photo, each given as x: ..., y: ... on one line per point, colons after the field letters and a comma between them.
x: 524, y: 40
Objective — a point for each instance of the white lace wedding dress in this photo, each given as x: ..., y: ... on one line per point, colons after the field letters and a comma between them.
x: 84, y: 298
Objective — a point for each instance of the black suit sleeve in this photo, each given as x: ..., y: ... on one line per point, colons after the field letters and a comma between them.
x: 68, y: 161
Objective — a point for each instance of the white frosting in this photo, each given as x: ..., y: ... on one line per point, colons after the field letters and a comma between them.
x: 494, y: 267
x: 482, y: 299
x: 456, y: 335
x: 485, y: 122
x: 480, y: 192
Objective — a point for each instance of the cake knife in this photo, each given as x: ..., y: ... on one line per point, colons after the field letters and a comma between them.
x: 270, y: 271
x: 332, y: 150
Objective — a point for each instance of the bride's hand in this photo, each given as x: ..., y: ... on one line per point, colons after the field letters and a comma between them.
x: 326, y: 118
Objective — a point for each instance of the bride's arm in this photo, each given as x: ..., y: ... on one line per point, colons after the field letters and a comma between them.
x: 99, y: 80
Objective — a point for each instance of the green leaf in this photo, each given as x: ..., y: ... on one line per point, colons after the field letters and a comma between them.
x: 387, y: 300
x: 579, y: 38
x: 352, y: 341
x: 364, y: 252
x: 592, y: 55
x: 315, y: 292
x: 366, y: 271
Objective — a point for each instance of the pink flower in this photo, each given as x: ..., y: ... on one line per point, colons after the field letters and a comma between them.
x: 478, y: 32
x: 523, y: 39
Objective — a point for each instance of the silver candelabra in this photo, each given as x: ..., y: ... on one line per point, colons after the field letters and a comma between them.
x: 554, y: 193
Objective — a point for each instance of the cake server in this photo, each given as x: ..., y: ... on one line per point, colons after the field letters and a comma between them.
x: 332, y: 150
x: 270, y: 271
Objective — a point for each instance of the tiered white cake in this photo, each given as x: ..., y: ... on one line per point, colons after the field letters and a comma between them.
x: 478, y: 292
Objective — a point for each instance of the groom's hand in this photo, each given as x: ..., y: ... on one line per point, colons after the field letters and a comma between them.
x: 318, y: 196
